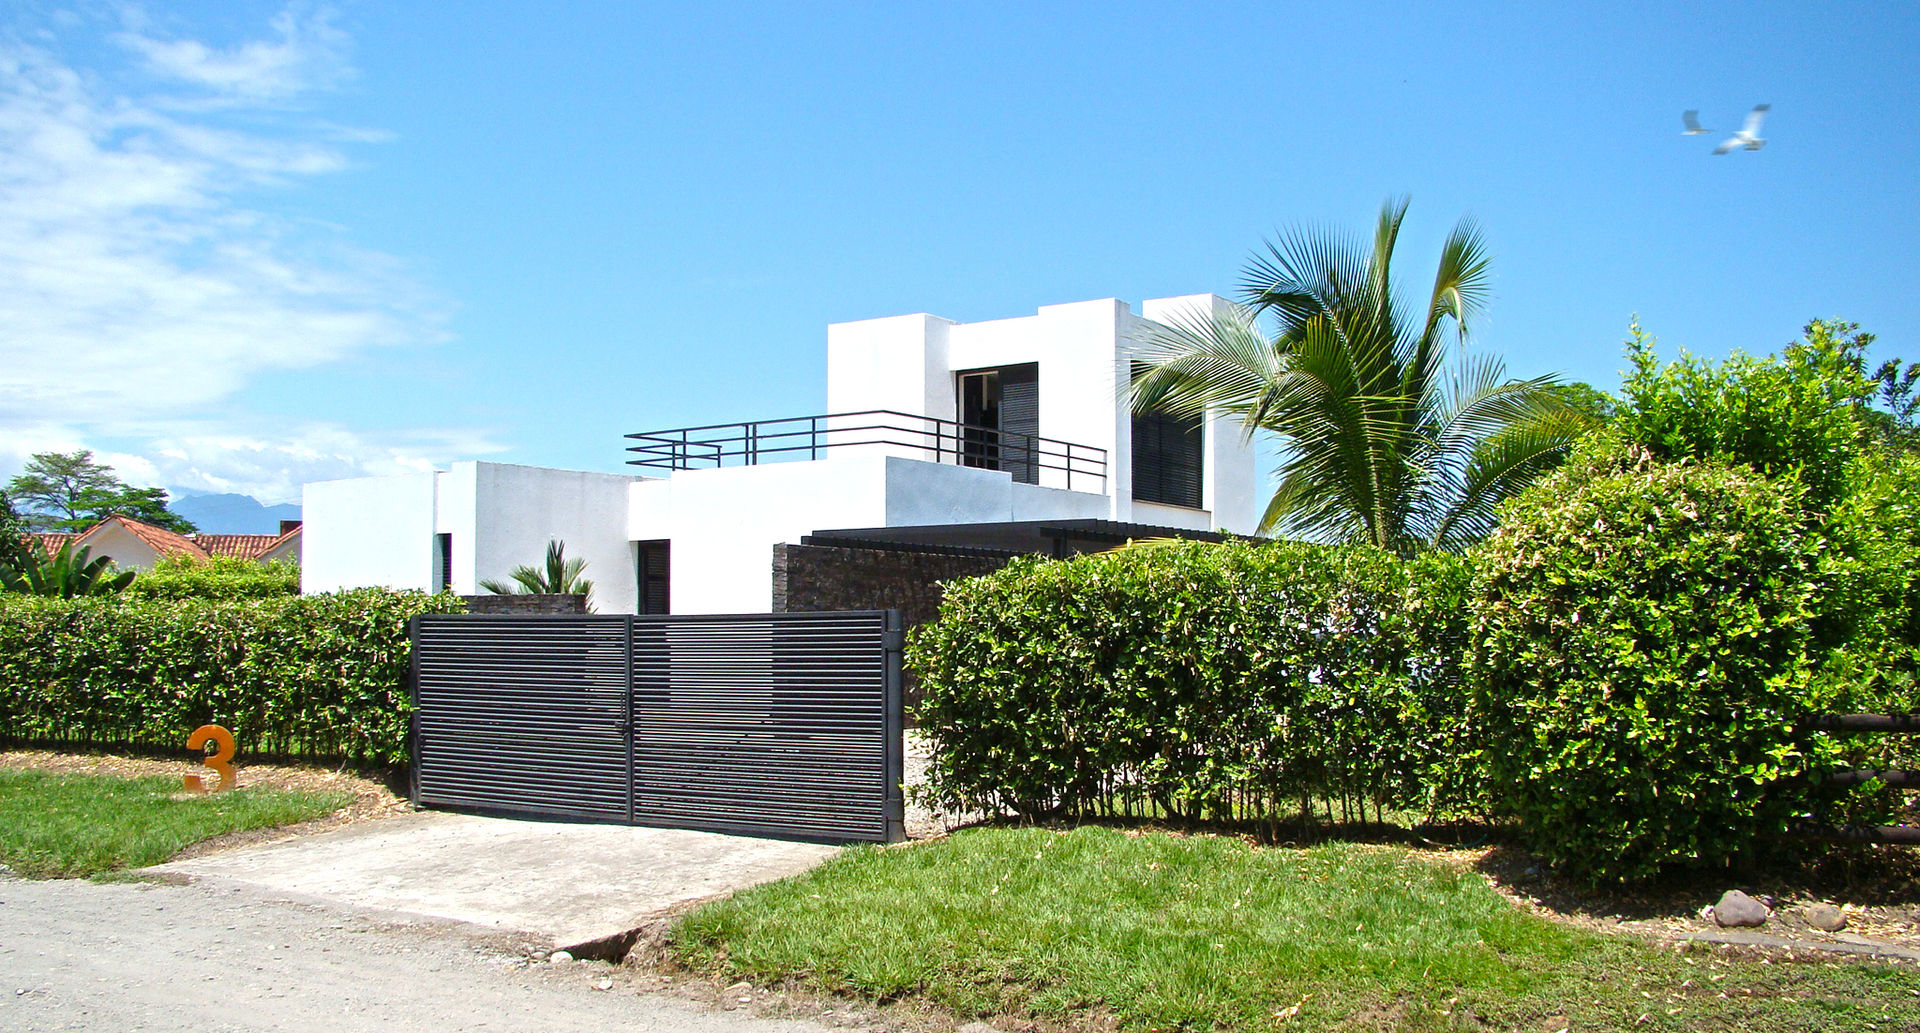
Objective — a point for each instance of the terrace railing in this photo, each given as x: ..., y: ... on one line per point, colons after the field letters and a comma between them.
x: 1030, y: 459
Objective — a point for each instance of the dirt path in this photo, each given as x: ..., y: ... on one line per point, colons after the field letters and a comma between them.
x: 127, y: 957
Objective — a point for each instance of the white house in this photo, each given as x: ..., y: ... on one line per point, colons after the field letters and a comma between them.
x: 1007, y: 435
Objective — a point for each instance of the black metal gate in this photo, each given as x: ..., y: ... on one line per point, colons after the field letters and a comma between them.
x: 783, y: 724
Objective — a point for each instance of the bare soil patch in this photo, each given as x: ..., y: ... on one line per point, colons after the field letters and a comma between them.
x: 372, y: 800
x: 1877, y: 889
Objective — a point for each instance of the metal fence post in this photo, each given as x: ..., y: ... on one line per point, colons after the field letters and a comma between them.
x: 893, y: 759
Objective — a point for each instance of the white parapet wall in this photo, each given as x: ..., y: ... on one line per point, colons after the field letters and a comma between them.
x: 724, y: 523
x: 385, y: 530
x: 368, y: 531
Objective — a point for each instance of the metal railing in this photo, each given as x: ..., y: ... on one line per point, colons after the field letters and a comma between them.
x: 1031, y: 459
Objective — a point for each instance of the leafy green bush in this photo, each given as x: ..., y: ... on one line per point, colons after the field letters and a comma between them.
x: 1645, y: 640
x: 222, y: 577
x: 1196, y: 681
x: 1803, y: 413
x: 321, y: 676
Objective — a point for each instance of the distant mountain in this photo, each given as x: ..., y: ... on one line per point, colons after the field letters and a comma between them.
x: 233, y: 514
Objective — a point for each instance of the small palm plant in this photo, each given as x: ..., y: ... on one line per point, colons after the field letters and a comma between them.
x: 561, y: 576
x: 64, y: 574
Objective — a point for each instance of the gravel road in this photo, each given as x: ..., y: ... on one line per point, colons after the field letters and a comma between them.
x: 130, y: 957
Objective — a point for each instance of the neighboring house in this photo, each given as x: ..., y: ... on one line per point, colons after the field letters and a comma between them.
x: 136, y: 545
x: 946, y: 447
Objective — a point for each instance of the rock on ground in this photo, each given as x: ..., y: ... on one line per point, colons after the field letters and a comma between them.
x: 1737, y: 910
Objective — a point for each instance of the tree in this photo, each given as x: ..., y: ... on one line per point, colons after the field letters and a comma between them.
x: 1388, y: 442
x: 15, y: 550
x: 71, y: 492
x: 561, y: 576
x: 1895, y: 420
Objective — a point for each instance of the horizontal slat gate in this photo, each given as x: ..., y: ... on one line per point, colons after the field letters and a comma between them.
x: 774, y: 723
x: 770, y: 724
x: 527, y: 713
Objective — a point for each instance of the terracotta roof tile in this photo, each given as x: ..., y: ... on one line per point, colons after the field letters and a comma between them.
x: 50, y: 540
x: 240, y: 546
x: 159, y: 539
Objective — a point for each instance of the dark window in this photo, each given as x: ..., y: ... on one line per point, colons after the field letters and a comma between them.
x: 1166, y: 459
x: 443, y: 578
x: 1001, y: 411
x: 654, y: 565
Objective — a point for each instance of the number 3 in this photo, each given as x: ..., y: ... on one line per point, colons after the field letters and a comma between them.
x: 219, y: 760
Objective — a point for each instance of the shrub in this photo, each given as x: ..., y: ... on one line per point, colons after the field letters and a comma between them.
x: 1644, y: 643
x: 1196, y: 681
x: 1802, y: 414
x: 223, y: 577
x: 320, y: 676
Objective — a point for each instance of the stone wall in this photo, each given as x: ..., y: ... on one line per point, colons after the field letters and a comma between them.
x: 526, y: 605
x: 831, y: 577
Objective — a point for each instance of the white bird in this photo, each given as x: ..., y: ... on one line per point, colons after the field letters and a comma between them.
x: 1749, y: 134
x: 1692, y: 121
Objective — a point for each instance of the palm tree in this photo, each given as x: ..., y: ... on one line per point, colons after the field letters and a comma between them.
x: 65, y: 573
x: 561, y: 576
x: 1387, y: 441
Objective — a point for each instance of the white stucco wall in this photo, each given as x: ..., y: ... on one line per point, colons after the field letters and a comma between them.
x: 119, y: 545
x: 1082, y: 349
x: 724, y: 523
x: 367, y: 531
x: 510, y: 513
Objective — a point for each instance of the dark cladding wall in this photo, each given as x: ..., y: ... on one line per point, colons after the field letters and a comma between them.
x: 828, y: 577
x: 526, y: 605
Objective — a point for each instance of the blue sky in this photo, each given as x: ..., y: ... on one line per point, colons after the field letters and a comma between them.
x: 245, y: 245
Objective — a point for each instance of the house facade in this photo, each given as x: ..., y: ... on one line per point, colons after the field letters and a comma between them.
x: 136, y: 545
x: 939, y: 438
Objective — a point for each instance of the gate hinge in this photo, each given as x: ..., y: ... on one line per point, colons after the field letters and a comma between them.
x: 894, y: 640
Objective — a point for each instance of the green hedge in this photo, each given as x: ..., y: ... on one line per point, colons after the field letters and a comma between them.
x: 1236, y: 682
x: 223, y: 577
x: 1645, y: 649
x: 320, y: 676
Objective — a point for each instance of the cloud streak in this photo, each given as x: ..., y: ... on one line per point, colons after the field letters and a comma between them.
x: 142, y: 279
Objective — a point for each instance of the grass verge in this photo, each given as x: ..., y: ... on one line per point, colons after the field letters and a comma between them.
x: 71, y: 826
x: 1155, y: 932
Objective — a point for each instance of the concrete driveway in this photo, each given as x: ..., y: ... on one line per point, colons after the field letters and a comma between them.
x: 576, y: 885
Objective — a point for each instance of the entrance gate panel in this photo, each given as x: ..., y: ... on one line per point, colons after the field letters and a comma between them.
x: 773, y: 723
x: 526, y: 713
x: 767, y: 724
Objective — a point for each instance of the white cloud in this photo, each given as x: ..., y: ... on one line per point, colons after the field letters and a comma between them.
x: 143, y: 282
x: 269, y: 465
x: 310, y: 53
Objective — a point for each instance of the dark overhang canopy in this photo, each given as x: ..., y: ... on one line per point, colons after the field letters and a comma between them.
x: 1007, y: 537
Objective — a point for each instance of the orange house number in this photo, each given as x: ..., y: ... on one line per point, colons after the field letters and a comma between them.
x: 220, y: 760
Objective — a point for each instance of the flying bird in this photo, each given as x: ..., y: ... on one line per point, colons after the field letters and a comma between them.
x: 1692, y: 121
x: 1749, y: 134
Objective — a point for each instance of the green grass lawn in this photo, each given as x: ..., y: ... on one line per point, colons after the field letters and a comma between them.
x: 69, y: 826
x: 1160, y: 932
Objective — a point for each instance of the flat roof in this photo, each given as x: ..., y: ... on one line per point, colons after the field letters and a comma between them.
x: 1048, y: 537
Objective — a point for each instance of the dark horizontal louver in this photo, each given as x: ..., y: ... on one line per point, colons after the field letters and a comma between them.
x: 1167, y: 459
x: 776, y: 724
x: 1020, y: 421
x: 522, y: 713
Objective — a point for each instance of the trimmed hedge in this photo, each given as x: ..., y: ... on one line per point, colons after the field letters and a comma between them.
x: 1645, y: 644
x: 319, y: 676
x: 223, y: 577
x: 1237, y: 682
